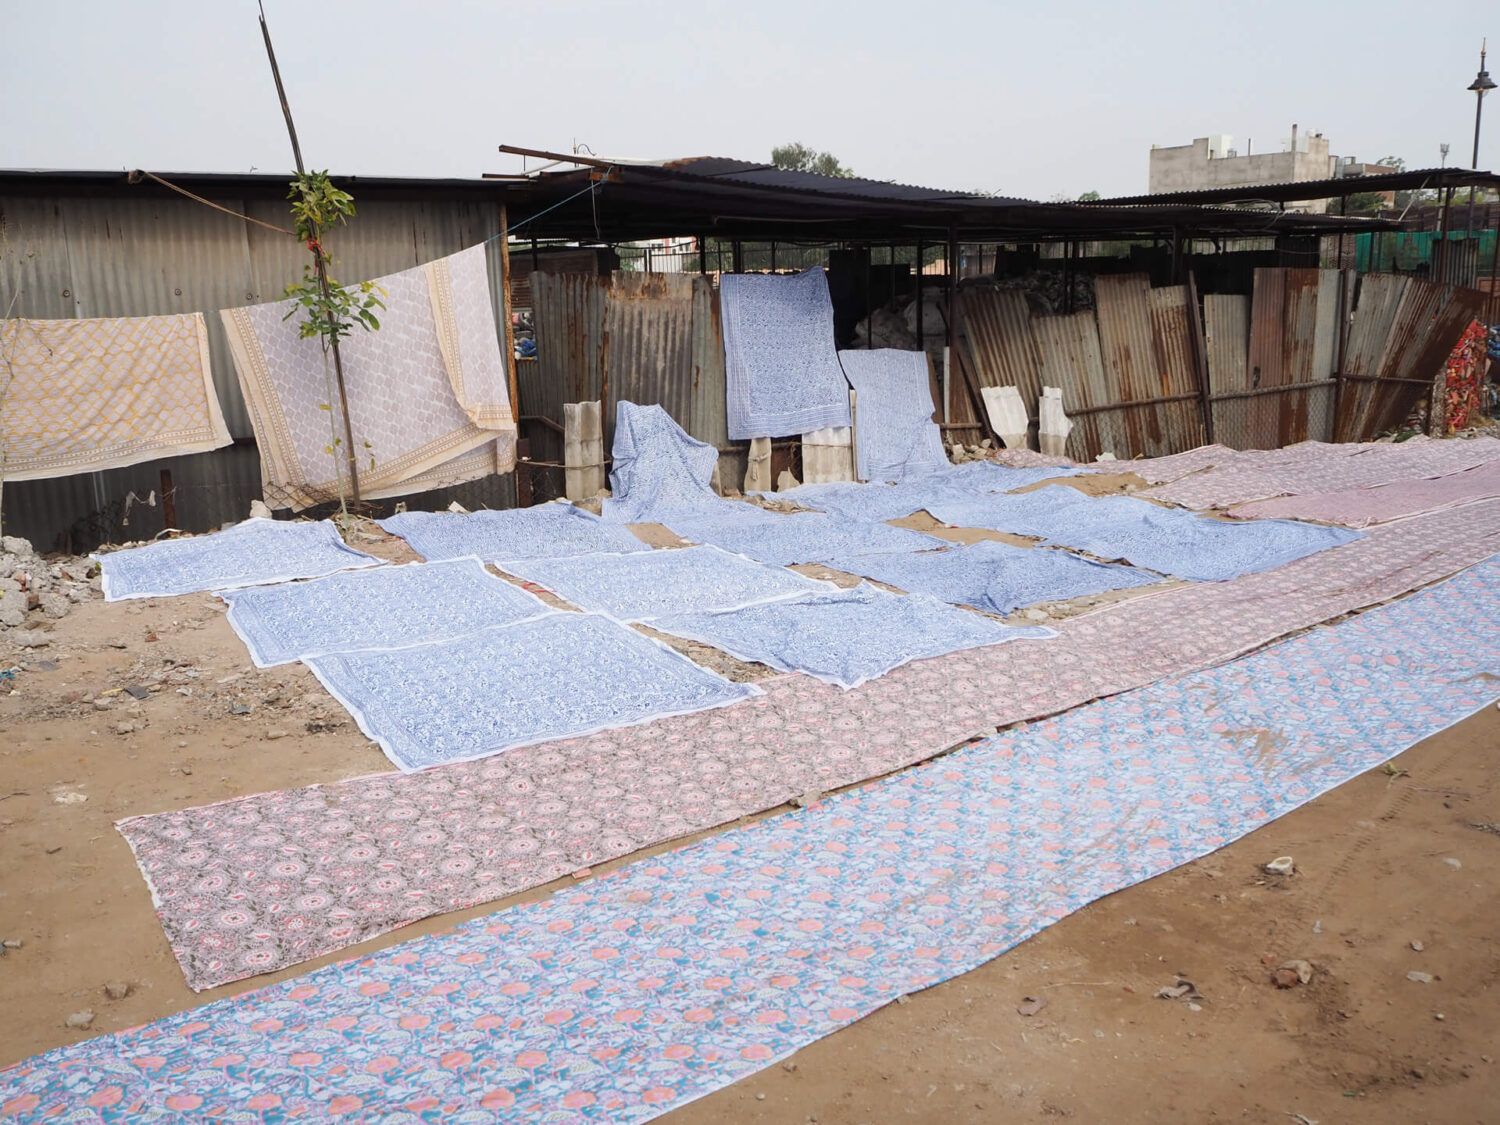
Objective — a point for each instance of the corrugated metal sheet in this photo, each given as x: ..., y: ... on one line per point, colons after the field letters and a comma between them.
x: 1377, y: 302
x: 101, y: 255
x: 568, y: 313
x: 1071, y: 356
x: 1141, y: 363
x: 1176, y: 365
x: 1226, y: 323
x: 648, y: 344
x: 1293, y: 340
x: 1001, y: 347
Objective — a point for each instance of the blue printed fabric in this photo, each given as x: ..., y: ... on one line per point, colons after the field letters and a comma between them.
x: 1169, y: 540
x: 555, y: 676
x: 782, y: 539
x: 391, y: 607
x: 658, y: 469
x: 781, y: 369
x: 545, y: 531
x: 956, y: 484
x: 995, y: 577
x: 620, y: 999
x: 248, y: 554
x: 894, y: 434
x: 845, y: 637
x: 639, y: 587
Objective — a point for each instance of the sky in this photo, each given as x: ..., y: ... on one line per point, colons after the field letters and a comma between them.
x: 1036, y: 100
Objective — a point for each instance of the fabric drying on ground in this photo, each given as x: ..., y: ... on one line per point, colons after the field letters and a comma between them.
x: 844, y: 637
x: 93, y: 393
x: 894, y: 434
x: 1362, y: 507
x: 460, y: 835
x: 953, y: 484
x: 657, y: 469
x: 390, y: 607
x: 247, y: 554
x: 995, y: 577
x: 622, y: 998
x: 782, y: 539
x: 1313, y: 467
x: 551, y: 530
x: 551, y: 677
x: 643, y: 585
x: 1167, y: 540
x: 781, y: 370
x: 428, y: 394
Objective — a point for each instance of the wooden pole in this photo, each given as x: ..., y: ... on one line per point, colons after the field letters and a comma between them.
x: 338, y: 361
x: 510, y: 341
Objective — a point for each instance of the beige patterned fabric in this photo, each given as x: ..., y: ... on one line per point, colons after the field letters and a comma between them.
x: 77, y: 396
x: 429, y: 399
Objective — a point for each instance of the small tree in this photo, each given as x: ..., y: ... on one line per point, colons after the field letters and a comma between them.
x: 798, y: 157
x: 1089, y: 196
x: 330, y: 311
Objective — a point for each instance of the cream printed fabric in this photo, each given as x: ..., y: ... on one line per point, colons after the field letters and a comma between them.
x: 85, y: 395
x: 429, y: 398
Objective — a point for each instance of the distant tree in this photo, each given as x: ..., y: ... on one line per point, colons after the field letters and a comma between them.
x: 1363, y: 201
x: 1089, y: 196
x: 1394, y: 162
x: 798, y: 157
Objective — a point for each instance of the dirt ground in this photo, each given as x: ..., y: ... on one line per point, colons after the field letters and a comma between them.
x: 1358, y: 1043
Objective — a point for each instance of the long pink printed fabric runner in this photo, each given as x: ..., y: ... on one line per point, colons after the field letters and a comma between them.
x: 1364, y: 507
x: 1315, y: 467
x: 263, y: 882
x: 680, y: 974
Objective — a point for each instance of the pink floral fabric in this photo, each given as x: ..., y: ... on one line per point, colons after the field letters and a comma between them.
x: 263, y: 882
x: 1362, y: 507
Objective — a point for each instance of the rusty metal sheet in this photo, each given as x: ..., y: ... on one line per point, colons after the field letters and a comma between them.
x: 1125, y: 341
x: 1000, y: 343
x: 648, y: 344
x: 1226, y: 319
x: 568, y: 310
x: 1376, y: 304
x: 1432, y: 318
x: 1171, y: 337
x: 1071, y: 357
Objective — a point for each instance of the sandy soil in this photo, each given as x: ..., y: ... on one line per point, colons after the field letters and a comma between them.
x: 1358, y: 1043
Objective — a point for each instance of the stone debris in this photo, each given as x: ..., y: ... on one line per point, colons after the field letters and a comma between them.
x: 1419, y: 977
x: 1281, y: 865
x: 34, y: 592
x: 1031, y: 1005
x: 117, y: 989
x: 80, y: 1021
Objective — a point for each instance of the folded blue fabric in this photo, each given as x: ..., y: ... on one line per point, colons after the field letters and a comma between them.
x: 845, y: 637
x: 658, y: 469
x: 641, y: 586
x: 545, y: 531
x: 782, y: 539
x: 556, y: 676
x: 895, y: 435
x: 995, y: 577
x: 390, y: 607
x: 248, y: 554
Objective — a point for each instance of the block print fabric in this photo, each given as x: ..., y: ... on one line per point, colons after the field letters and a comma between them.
x: 248, y: 554
x: 1167, y: 540
x: 1314, y: 467
x: 995, y: 577
x: 515, y: 685
x: 546, y: 531
x: 391, y: 607
x: 675, y: 976
x: 781, y: 539
x: 844, y: 637
x: 465, y: 834
x: 1362, y: 507
x: 658, y: 469
x: 91, y: 394
x: 645, y: 585
x: 781, y: 370
x: 895, y: 435
x: 429, y: 398
x: 918, y: 492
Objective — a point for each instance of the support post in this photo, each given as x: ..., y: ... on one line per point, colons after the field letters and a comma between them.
x: 510, y: 338
x: 1200, y: 355
x: 956, y: 353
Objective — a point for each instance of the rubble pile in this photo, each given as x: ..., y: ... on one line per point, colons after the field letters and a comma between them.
x: 34, y: 591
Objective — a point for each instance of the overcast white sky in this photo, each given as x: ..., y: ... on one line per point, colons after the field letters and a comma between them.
x: 1029, y: 100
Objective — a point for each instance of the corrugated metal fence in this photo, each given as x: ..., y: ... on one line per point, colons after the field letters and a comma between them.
x: 102, y: 255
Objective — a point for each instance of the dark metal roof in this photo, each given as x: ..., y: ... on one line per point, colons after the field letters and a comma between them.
x: 1297, y: 190
x: 58, y: 181
x: 768, y: 175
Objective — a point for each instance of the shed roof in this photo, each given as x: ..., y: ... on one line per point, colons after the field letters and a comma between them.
x: 1294, y: 191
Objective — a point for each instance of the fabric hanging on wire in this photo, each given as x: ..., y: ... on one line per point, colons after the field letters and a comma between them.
x: 86, y: 395
x: 781, y: 368
x: 895, y: 435
x: 429, y: 397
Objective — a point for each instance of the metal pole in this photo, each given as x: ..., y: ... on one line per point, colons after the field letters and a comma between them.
x: 322, y: 269
x: 921, y: 344
x: 1442, y: 263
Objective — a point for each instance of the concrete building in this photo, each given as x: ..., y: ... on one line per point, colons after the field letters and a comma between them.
x: 1211, y: 162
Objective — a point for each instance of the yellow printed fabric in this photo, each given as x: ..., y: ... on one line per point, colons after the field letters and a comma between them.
x: 429, y: 401
x: 77, y: 396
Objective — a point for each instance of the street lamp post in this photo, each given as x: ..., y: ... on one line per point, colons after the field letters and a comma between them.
x: 1481, y: 86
